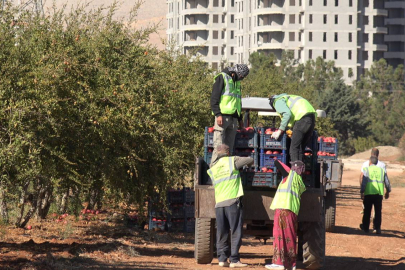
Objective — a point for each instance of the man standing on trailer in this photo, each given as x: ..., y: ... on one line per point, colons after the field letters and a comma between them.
x: 299, y: 115
x: 226, y: 105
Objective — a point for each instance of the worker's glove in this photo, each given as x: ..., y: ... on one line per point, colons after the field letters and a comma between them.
x: 277, y: 134
x: 298, y: 166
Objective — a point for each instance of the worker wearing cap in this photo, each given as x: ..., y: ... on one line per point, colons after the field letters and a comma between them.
x: 372, y: 192
x: 226, y: 105
x: 298, y: 114
x: 227, y: 182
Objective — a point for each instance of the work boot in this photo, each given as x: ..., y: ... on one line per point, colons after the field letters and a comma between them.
x: 224, y: 264
x: 378, y: 231
x: 362, y: 228
x: 274, y: 266
x: 237, y: 264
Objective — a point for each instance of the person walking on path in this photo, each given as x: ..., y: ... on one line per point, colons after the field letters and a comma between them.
x: 286, y: 204
x: 226, y: 105
x: 372, y: 191
x: 298, y: 114
x: 227, y: 182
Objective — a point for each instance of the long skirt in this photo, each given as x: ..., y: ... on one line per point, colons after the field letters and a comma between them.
x: 285, y: 237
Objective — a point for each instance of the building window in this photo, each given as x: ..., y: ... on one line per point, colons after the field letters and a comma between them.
x: 325, y: 3
x: 310, y: 54
x: 324, y: 54
x: 223, y: 18
x: 215, y: 66
x: 292, y: 3
x: 215, y: 34
x: 232, y: 50
x: 223, y: 3
x: 232, y: 35
x: 232, y: 18
x: 336, y: 3
x: 292, y: 36
x: 324, y: 36
x: 215, y: 50
x: 299, y: 36
x: 350, y: 37
x: 299, y: 18
x: 325, y: 19
x: 350, y: 3
x: 242, y: 24
x: 365, y: 20
x: 350, y: 19
x: 292, y: 19
x: 310, y: 3
x: 310, y: 36
x: 232, y: 3
x: 222, y: 50
x: 336, y: 37
x: 349, y: 55
x: 216, y: 3
x: 299, y: 54
x: 336, y: 19
x: 310, y: 18
x: 215, y: 19
x: 336, y: 54
x: 300, y: 3
x: 223, y: 34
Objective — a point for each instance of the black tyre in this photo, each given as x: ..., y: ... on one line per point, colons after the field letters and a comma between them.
x: 330, y: 210
x: 313, y: 244
x: 204, y: 240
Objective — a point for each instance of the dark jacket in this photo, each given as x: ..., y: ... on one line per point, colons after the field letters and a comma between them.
x: 217, y: 89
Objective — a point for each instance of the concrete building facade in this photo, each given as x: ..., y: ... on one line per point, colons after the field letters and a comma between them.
x: 352, y: 33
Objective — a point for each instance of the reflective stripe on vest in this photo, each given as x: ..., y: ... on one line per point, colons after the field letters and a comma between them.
x: 231, y: 96
x: 297, y: 112
x: 375, y: 183
x: 226, y: 179
x: 289, y: 193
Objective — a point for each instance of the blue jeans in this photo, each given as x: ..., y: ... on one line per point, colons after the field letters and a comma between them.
x: 229, y: 219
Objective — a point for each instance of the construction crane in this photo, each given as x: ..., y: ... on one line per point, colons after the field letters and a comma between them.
x: 32, y: 5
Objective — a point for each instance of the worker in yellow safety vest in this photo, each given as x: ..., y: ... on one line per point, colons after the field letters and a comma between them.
x: 372, y: 192
x: 286, y: 204
x: 299, y: 115
x: 227, y: 182
x: 226, y: 105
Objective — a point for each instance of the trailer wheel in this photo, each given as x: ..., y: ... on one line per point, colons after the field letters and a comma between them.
x: 313, y: 244
x: 330, y: 210
x: 204, y: 240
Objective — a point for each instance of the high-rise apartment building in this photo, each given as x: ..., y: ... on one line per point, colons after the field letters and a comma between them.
x: 352, y: 33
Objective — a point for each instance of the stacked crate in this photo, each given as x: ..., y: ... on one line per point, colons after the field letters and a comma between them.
x: 246, y: 145
x: 328, y: 148
x: 208, y: 144
x: 157, y: 217
x: 181, y: 208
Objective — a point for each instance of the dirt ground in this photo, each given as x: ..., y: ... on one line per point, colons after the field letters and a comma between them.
x: 104, y: 242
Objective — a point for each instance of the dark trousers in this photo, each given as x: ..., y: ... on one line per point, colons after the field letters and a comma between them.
x: 229, y: 219
x: 369, y: 201
x: 302, y: 131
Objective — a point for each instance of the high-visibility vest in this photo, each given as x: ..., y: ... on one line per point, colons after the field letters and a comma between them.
x: 288, y: 195
x: 231, y: 97
x: 226, y: 180
x: 298, y: 106
x: 375, y: 184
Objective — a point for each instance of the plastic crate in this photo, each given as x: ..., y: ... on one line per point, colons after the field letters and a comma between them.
x: 264, y: 180
x: 189, y: 225
x: 176, y: 196
x: 267, y: 160
x: 176, y: 225
x: 266, y: 142
x: 327, y: 157
x: 329, y: 147
x: 246, y: 140
x: 177, y: 211
x: 157, y: 224
x: 208, y: 138
x: 189, y: 210
x: 189, y: 195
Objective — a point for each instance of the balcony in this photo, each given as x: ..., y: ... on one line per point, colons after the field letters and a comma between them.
x: 396, y: 21
x: 394, y: 38
x: 395, y: 4
x: 375, y: 47
x: 377, y: 30
x: 194, y: 43
x: 195, y: 27
x: 268, y: 10
x: 394, y: 55
x: 270, y: 45
x: 200, y: 10
x: 269, y: 28
x: 376, y: 12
